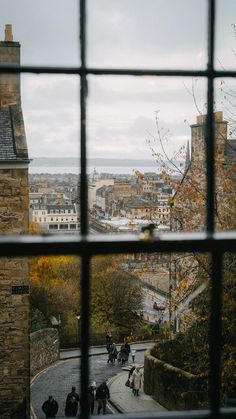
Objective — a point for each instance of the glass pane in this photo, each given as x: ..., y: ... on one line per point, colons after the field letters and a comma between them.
x: 52, y: 135
x: 134, y: 34
x: 47, y: 31
x: 146, y: 153
x: 228, y: 370
x: 55, y: 309
x: 156, y: 319
x: 225, y: 58
x: 225, y: 156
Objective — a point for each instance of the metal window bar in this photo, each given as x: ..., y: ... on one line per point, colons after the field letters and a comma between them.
x: 87, y: 246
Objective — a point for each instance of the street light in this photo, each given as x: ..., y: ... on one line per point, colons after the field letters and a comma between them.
x: 78, y: 316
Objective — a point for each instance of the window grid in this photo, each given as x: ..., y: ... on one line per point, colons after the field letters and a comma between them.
x: 87, y: 246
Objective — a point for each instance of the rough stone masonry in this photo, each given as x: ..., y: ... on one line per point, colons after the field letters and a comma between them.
x: 14, y: 298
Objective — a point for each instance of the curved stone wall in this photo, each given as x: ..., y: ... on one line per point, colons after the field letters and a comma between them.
x: 44, y: 349
x: 172, y: 387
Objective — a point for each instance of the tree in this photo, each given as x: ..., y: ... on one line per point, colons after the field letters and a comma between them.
x: 192, y: 271
x: 55, y: 291
x: 115, y: 296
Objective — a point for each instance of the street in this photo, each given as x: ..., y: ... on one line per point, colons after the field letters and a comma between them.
x: 58, y: 379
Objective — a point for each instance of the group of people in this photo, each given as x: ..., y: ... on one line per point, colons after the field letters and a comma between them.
x: 101, y: 394
x: 50, y: 406
x: 122, y: 355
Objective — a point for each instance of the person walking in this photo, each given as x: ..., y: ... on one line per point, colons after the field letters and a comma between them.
x: 102, y: 396
x: 124, y: 355
x: 133, y: 352
x: 50, y: 407
x: 127, y: 346
x: 131, y: 372
x: 136, y: 379
x: 91, y: 397
x: 112, y: 355
x: 72, y: 402
x: 108, y: 340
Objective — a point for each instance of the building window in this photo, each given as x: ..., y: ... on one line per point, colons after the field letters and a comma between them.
x: 53, y: 226
x: 63, y: 226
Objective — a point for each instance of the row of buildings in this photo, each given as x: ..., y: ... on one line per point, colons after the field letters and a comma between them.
x: 138, y: 197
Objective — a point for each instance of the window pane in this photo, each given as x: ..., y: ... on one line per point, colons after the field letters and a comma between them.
x: 51, y: 118
x: 146, y: 149
x: 158, y: 303
x: 47, y: 31
x: 134, y: 34
x: 225, y: 156
x: 55, y: 309
x: 225, y: 58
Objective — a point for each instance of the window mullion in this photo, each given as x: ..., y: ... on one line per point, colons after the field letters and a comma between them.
x: 210, y: 172
x: 85, y: 288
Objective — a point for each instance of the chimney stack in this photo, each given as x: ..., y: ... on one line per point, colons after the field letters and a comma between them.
x: 9, y: 82
x: 8, y: 33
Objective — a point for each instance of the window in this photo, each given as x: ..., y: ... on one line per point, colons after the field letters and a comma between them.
x: 63, y: 226
x: 209, y: 241
x: 53, y: 226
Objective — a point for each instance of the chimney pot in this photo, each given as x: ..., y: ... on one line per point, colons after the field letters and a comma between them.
x: 8, y: 33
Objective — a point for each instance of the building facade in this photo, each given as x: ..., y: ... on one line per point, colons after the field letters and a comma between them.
x: 55, y: 218
x: 14, y: 299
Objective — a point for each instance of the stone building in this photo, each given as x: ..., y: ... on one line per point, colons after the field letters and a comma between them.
x: 14, y: 301
x: 190, y: 197
x: 188, y: 211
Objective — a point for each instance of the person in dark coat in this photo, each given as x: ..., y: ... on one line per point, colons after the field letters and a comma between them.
x: 127, y: 345
x: 124, y: 355
x: 50, y: 407
x: 112, y: 355
x: 91, y: 397
x: 102, y: 396
x: 72, y: 402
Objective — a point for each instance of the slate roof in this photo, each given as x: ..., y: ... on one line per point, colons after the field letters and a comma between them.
x: 8, y: 150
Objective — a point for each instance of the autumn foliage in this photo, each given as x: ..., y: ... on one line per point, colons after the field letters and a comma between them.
x: 115, y: 297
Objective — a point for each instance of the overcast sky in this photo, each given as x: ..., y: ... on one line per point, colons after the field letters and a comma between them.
x: 121, y: 33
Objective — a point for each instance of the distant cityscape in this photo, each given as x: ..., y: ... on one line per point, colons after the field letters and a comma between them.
x: 116, y: 202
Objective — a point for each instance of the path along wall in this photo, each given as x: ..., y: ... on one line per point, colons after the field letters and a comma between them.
x: 44, y: 349
x: 172, y: 387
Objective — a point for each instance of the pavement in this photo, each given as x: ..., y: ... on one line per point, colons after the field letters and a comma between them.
x: 123, y: 400
x: 59, y: 378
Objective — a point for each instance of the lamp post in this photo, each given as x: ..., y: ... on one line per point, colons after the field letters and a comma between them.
x: 78, y: 316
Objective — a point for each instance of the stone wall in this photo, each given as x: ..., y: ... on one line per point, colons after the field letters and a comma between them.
x: 44, y: 349
x: 14, y: 202
x: 172, y: 387
x: 14, y: 319
x: 9, y: 83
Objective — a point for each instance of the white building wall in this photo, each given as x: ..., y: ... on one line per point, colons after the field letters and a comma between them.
x: 92, y: 189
